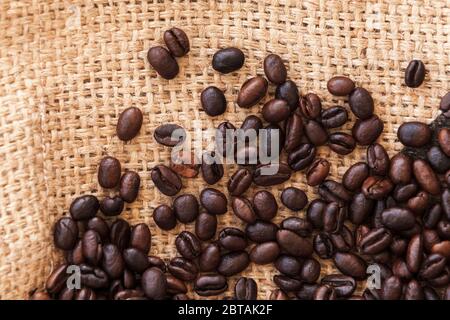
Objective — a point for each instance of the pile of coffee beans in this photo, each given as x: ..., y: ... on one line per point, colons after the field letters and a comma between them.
x: 388, y: 213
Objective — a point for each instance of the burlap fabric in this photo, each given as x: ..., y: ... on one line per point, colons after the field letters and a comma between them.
x: 67, y: 70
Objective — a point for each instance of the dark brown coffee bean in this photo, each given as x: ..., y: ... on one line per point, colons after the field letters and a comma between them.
x: 120, y: 234
x: 109, y: 172
x: 129, y: 123
x: 182, y: 269
x: 112, y: 262
x: 294, y: 132
x: 340, y: 86
x: 293, y: 244
x: 186, y: 208
x: 280, y: 173
x: 444, y: 140
x: 432, y: 216
x: 445, y: 104
x: 344, y: 286
x: 419, y: 203
x: 213, y: 201
x: 355, y: 175
x: 430, y: 294
x: 413, y: 291
x: 101, y: 227
x: 414, y: 253
x: 341, y: 143
x: 205, y: 226
x: 391, y: 289
x: 154, y: 284
x: 169, y: 134
x: 252, y: 122
x: 233, y: 263
x: 135, y: 260
x: 316, y: 133
x: 184, y: 164
x: 141, y: 237
x: 212, y: 168
x: 377, y: 188
x: 301, y: 157
x: 323, y: 246
x: 361, y: 103
x: 343, y: 241
x: 426, y: 177
x: 400, y: 270
x: 175, y: 286
x: 232, y: 239
x: 129, y: 186
x: 298, y: 225
x: 414, y: 73
x: 310, y: 106
x: 360, y: 208
x: 414, y: 134
x: 75, y: 256
x: 239, y: 182
x: 367, y: 131
x: 57, y: 279
x: 65, y: 234
x: 377, y: 159
x: 166, y: 180
x: 243, y: 209
x: 164, y: 217
x: 288, y: 265
x: 228, y: 60
x: 264, y: 253
x: 176, y: 41
x: 93, y: 277
x: 400, y: 170
x: 274, y: 69
x: 261, y: 231
x: 334, y: 117
x: 111, y: 206
x: 84, y: 207
x: 92, y: 247
x: 397, y: 219
x: 210, y: 285
x: 288, y: 91
x: 209, y: 259
x: 432, y: 266
x: 252, y: 91
x: 317, y: 172
x: 333, y: 217
x: 265, y: 205
x: 213, y: 101
x: 286, y: 283
x: 376, y: 241
x: 443, y: 229
x: 276, y: 110
x: 351, y: 265
x: 246, y: 289
x: 188, y: 245
x: 310, y: 271
x: 294, y: 199
x: 438, y: 159
x: 38, y: 295
x: 129, y: 279
x: 332, y: 191
x: 403, y: 193
x: 163, y: 62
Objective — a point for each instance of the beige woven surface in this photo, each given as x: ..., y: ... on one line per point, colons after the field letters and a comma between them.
x: 64, y: 81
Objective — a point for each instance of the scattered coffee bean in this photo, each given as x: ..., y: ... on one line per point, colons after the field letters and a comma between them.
x: 334, y: 117
x: 288, y: 91
x: 166, y: 180
x: 341, y: 143
x: 164, y: 217
x: 246, y: 289
x: 169, y: 134
x: 340, y: 86
x: 414, y: 134
x: 239, y: 182
x: 205, y: 226
x: 414, y: 73
x: 367, y: 131
x: 252, y: 91
x: 293, y: 198
x: 310, y: 106
x: 188, y: 245
x: 176, y: 41
x: 243, y: 209
x: 186, y: 208
x: 112, y: 206
x: 84, y: 207
x: 210, y: 285
x: 212, y: 168
x: 213, y: 201
x: 163, y: 62
x: 265, y: 205
x: 274, y: 69
x: 129, y: 123
x: 280, y: 173
x: 109, y: 172
x: 65, y: 233
x: 228, y: 60
x: 213, y: 101
x: 129, y: 186
x: 361, y: 103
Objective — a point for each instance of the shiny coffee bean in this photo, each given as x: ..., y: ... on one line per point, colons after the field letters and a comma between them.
x: 333, y: 217
x: 129, y: 186
x: 274, y: 69
x: 84, y: 207
x: 175, y: 286
x: 340, y: 86
x: 317, y: 172
x: 176, y: 41
x: 438, y: 159
x: 184, y: 164
x: 334, y: 117
x: 414, y: 134
x: 112, y: 206
x: 101, y: 227
x: 294, y: 199
x: 414, y: 73
x: 182, y: 269
x: 169, y: 134
x: 316, y: 133
x: 300, y: 226
x: 310, y: 106
x: 445, y: 202
x: 213, y: 101
x: 166, y: 180
x: 93, y: 277
x: 288, y: 91
x: 426, y: 177
x: 246, y: 289
x: 163, y: 62
x: 239, y: 182
x: 414, y: 253
x: 419, y: 203
x: 341, y: 143
x: 367, y: 131
x: 265, y: 205
x: 281, y: 174
x: 310, y: 271
x: 233, y: 263
x: 185, y: 208
x: 293, y: 132
x: 228, y: 60
x: 75, y: 256
x: 224, y: 131
x: 360, y: 208
x: 252, y: 122
x: 376, y: 187
x: 232, y: 239
x: 351, y: 265
x: 324, y: 292
x: 400, y: 170
x: 276, y: 110
x: 391, y: 289
x: 432, y: 216
x: 188, y: 245
x: 323, y: 246
x: 413, y: 291
x: 306, y: 291
x: 344, y: 286
x: 444, y: 105
x: 212, y: 168
x: 264, y: 253
x: 355, y: 175
x: 65, y: 234
x: 400, y: 270
x: 252, y: 91
x: 301, y: 157
x: 120, y: 234
x: 403, y: 193
x: 112, y: 262
x: 243, y: 209
x: 92, y: 247
x: 432, y: 266
x: 376, y: 241
x: 154, y: 284
x: 141, y: 237
x: 343, y: 241
x: 261, y: 231
x: 293, y: 244
x: 129, y: 123
x: 286, y: 283
x: 288, y: 265
x: 361, y: 103
x: 213, y: 201
x: 377, y: 159
x: 109, y: 172
x: 314, y: 213
x: 205, y: 226
x: 57, y: 279
x: 398, y: 219
x: 210, y: 258
x: 164, y: 217
x: 210, y: 285
x: 135, y: 260
x: 271, y: 140
x: 332, y: 191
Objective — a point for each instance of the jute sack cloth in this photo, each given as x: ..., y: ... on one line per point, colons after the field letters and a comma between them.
x: 68, y: 70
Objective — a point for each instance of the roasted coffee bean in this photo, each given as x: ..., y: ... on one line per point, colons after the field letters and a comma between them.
x: 414, y: 134
x: 239, y: 182
x: 233, y: 263
x: 129, y: 186
x: 232, y: 239
x: 403, y: 193
x: 310, y: 106
x: 367, y: 131
x: 432, y: 266
x: 111, y: 206
x: 213, y: 101
x: 355, y: 175
x: 334, y: 117
x: 92, y: 247
x: 188, y: 245
x: 306, y: 291
x: 288, y: 91
x: 294, y: 132
x: 376, y: 241
x: 413, y: 291
x: 101, y: 227
x: 344, y: 286
x: 246, y: 289
x: 293, y: 244
x: 286, y: 283
x: 445, y: 104
x: 361, y: 103
x: 228, y: 60
x: 141, y: 237
x: 438, y: 159
x: 164, y: 217
x: 443, y: 229
x: 288, y: 265
x: 377, y: 188
x: 430, y: 238
x: 324, y: 292
x: 210, y: 285
x: 432, y: 216
x: 280, y: 173
x: 57, y: 279
x: 274, y: 69
x: 340, y: 86
x: 226, y: 131
x: 441, y: 280
x: 163, y: 62
x: 65, y: 234
x: 371, y: 294
x: 205, y: 226
x: 310, y: 271
x: 333, y: 217
x: 377, y: 159
x: 317, y: 172
x: 300, y: 226
x: 109, y: 172
x: 276, y: 110
x: 129, y: 123
x: 316, y: 133
x: 212, y: 169
x: 182, y: 269
x: 430, y: 294
x: 135, y: 260
x: 120, y: 234
x: 154, y: 284
x: 414, y: 73
x: 129, y: 279
x: 264, y: 253
x: 75, y: 256
x: 252, y: 122
x: 323, y: 246
x: 332, y: 191
x: 414, y: 253
x: 210, y: 258
x: 445, y: 202
x: 247, y: 154
x: 301, y: 157
x: 265, y: 205
x: 184, y: 164
x: 243, y: 209
x: 314, y: 213
x: 175, y: 286
x: 169, y: 134
x: 343, y: 241
x: 398, y: 219
x: 185, y: 208
x: 360, y: 208
x: 213, y: 201
x: 84, y: 207
x: 93, y: 277
x: 400, y: 270
x: 176, y: 41
x: 419, y: 203
x: 166, y: 180
x: 294, y: 199
x: 252, y: 91
x: 426, y: 177
x: 400, y: 170
x: 341, y: 143
x: 112, y: 262
x: 391, y: 289
x: 350, y: 265
x: 261, y: 231
x: 66, y: 294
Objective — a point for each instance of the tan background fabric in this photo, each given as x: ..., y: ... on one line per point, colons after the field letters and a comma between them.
x: 68, y: 68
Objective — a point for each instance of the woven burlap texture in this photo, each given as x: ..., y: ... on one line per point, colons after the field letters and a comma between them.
x: 67, y: 70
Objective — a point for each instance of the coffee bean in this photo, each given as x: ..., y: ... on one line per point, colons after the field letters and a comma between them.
x: 376, y: 241
x: 163, y: 62
x: 101, y: 227
x: 298, y: 225
x: 65, y: 234
x: 213, y: 101
x: 246, y: 289
x: 274, y: 69
x: 282, y: 174
x: 377, y: 159
x: 84, y: 207
x: 400, y: 170
x: 186, y: 208
x: 323, y: 246
x: 294, y: 132
x: 129, y: 279
x: 228, y: 60
x: 243, y: 209
x: 164, y: 217
x: 109, y: 172
x: 120, y: 234
x: 154, y: 284
x: 314, y: 213
x: 261, y: 231
x: 294, y: 199
x: 57, y: 279
x: 334, y: 117
x: 232, y: 239
x: 444, y: 140
x: 212, y: 169
x: 75, y: 256
x: 316, y: 133
x: 397, y: 219
x: 344, y: 286
x: 360, y: 208
x: 205, y: 226
x: 419, y: 203
x: 251, y: 122
x: 175, y: 286
x: 333, y: 217
x: 403, y: 192
x: 391, y: 289
x: 239, y: 182
x: 92, y: 247
x: 310, y: 271
x: 112, y: 262
x: 317, y: 172
x: 438, y: 159
x: 41, y: 296
x: 233, y: 263
x: 276, y: 110
x: 367, y: 131
x: 264, y: 253
x: 288, y: 265
x: 210, y: 258
x: 377, y: 188
x: 213, y: 201
x: 286, y: 283
x: 430, y: 294
x: 332, y: 191
x: 93, y: 277
x: 135, y: 260
x: 176, y: 41
x: 350, y: 265
x: 188, y: 245
x: 111, y: 206
x: 166, y: 180
x: 431, y: 217
x: 129, y: 123
x: 426, y: 177
x: 141, y: 237
x: 210, y: 285
x: 414, y: 73
x: 340, y: 86
x: 129, y: 186
x: 252, y: 91
x: 355, y: 175
x: 361, y: 103
x: 310, y: 106
x: 293, y: 244
x: 301, y: 157
x: 413, y: 291
x: 169, y: 134
x: 432, y: 266
x: 341, y: 143
x: 184, y: 164
x: 182, y: 269
x: 445, y: 104
x: 414, y: 134
x: 288, y: 91
x: 265, y: 205
x: 414, y: 253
